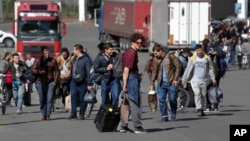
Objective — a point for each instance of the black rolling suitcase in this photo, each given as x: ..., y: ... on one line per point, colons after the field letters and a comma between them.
x: 107, y: 118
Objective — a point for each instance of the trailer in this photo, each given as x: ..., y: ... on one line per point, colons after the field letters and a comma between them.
x: 171, y: 23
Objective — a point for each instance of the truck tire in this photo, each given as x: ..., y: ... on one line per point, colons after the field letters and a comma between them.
x: 122, y: 43
x: 127, y: 44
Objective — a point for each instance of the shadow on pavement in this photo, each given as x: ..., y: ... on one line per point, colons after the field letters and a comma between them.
x: 159, y: 129
x: 232, y: 106
x: 189, y: 119
x: 234, y: 110
x: 219, y: 114
x: 24, y: 122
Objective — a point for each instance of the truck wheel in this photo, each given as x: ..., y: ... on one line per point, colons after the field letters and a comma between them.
x: 8, y: 42
x: 127, y: 43
x: 122, y: 43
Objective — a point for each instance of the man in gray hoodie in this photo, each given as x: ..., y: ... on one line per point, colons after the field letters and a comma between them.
x: 199, y: 70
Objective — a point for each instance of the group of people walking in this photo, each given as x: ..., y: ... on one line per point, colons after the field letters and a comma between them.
x: 72, y: 73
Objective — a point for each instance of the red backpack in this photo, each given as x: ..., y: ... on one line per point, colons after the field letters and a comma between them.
x: 8, y: 79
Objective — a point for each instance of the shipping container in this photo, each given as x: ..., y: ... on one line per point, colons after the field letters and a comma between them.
x: 170, y: 23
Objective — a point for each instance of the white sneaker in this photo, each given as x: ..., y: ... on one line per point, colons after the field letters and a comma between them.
x: 13, y: 104
x: 23, y: 105
x: 207, y: 110
x: 19, y: 111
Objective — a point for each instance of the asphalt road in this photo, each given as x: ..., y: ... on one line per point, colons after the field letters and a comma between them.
x: 188, y: 127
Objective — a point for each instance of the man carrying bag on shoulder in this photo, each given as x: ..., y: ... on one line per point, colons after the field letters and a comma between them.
x: 81, y: 65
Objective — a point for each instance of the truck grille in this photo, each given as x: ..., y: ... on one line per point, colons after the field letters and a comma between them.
x: 36, y: 49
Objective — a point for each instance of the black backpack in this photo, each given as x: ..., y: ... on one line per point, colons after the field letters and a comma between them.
x: 118, y: 66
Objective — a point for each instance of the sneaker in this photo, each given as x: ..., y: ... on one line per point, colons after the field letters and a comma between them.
x: 206, y: 110
x: 44, y: 118
x: 13, y: 104
x: 48, y: 118
x: 164, y: 119
x: 23, y: 105
x: 81, y: 118
x: 200, y: 113
x: 214, y: 110
x: 173, y: 117
x: 19, y: 111
x: 140, y: 130
x: 125, y: 129
x: 72, y: 117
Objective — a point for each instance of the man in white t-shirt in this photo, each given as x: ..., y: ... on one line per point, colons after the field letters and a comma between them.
x: 199, y: 70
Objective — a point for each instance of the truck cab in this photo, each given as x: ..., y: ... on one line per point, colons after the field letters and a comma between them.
x: 38, y: 24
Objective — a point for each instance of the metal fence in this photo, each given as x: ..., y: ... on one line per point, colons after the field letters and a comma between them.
x: 69, y: 9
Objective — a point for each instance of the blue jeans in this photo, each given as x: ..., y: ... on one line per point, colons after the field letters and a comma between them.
x: 46, y: 93
x: 162, y: 90
x: 18, y: 92
x: 114, y: 87
x: 78, y: 92
x: 232, y: 57
x: 133, y: 86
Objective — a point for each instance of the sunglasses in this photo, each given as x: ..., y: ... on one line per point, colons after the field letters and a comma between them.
x: 138, y: 43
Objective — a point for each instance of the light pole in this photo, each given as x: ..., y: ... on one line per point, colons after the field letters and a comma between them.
x: 81, y: 10
x: 1, y: 11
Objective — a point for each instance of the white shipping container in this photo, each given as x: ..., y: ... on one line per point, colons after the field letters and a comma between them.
x: 188, y: 23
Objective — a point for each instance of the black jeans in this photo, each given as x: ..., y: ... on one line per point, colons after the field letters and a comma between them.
x: 9, y: 93
x: 65, y: 88
x: 239, y: 58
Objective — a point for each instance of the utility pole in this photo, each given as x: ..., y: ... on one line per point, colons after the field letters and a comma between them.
x: 1, y: 10
x: 82, y: 10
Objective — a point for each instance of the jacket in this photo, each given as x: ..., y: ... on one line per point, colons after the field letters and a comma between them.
x: 147, y: 65
x: 100, y: 66
x: 60, y: 62
x: 4, y: 66
x: 49, y: 66
x: 238, y: 51
x: 189, y: 72
x: 173, y: 69
x: 82, y: 66
x: 22, y: 68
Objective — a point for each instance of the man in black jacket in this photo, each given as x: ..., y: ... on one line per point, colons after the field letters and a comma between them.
x: 80, y: 72
x: 216, y: 53
x: 103, y: 65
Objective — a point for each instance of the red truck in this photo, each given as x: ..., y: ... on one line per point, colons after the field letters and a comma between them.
x: 170, y: 23
x: 120, y: 19
x: 38, y: 24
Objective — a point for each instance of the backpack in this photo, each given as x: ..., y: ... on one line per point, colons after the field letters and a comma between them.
x: 223, y: 67
x: 118, y: 66
x: 171, y: 60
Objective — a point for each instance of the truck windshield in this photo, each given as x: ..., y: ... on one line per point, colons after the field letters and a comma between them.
x: 49, y: 28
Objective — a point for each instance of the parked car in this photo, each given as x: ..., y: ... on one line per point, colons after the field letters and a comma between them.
x: 7, y: 38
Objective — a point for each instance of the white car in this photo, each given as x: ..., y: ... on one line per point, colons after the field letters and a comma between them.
x: 7, y: 38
